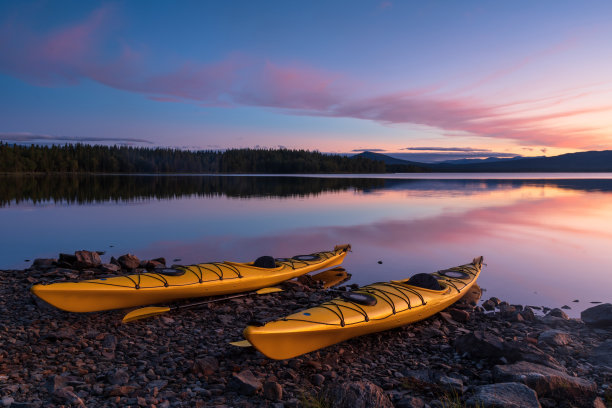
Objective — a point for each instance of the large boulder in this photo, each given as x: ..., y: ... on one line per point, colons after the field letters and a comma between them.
x: 599, y: 316
x: 555, y: 337
x: 505, y: 395
x: 360, y: 394
x: 546, y: 381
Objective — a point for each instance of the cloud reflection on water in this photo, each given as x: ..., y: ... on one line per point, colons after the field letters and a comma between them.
x: 543, y: 245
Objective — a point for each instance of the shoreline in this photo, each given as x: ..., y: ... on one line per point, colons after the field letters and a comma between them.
x: 461, y: 356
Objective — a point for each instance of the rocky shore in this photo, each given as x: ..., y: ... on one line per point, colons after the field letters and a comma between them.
x: 477, y: 353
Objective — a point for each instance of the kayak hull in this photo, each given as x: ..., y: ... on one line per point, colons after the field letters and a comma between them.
x: 332, y: 322
x: 210, y: 279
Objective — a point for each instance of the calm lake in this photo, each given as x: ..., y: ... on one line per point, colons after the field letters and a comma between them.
x: 546, y: 238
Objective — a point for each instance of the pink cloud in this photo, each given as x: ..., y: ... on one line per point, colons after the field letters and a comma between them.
x: 85, y: 50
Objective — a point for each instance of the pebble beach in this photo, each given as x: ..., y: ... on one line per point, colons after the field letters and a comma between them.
x: 479, y: 352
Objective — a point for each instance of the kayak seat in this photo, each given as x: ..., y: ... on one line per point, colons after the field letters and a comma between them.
x: 170, y: 271
x: 265, y: 262
x: 425, y: 281
x: 311, y: 257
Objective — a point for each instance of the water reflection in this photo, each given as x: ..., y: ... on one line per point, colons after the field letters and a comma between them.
x: 89, y: 189
x: 545, y: 242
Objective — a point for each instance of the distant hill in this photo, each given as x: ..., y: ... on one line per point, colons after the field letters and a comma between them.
x: 475, y: 161
x: 384, y: 158
x: 392, y: 164
x: 594, y: 161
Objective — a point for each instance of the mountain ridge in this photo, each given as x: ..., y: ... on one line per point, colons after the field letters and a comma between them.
x: 590, y: 161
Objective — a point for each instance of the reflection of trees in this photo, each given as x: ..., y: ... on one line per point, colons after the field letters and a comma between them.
x: 81, y: 188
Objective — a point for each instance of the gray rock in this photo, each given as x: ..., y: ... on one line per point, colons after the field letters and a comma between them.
x: 66, y: 395
x: 110, y: 268
x: 272, y: 391
x: 451, y: 383
x: 87, y: 259
x: 555, y: 338
x: 488, y: 305
x: 317, y: 379
x: 522, y: 351
x: 7, y: 401
x: 558, y: 313
x: 128, y: 261
x: 602, y: 354
x: 206, y: 366
x: 599, y: 316
x: 527, y: 314
x: 459, y: 315
x: 480, y: 344
x: 56, y: 382
x: 546, y: 381
x: 598, y: 403
x: 360, y: 394
x: 504, y: 395
x: 43, y: 263
x: 159, y: 384
x: 244, y: 383
x: 119, y: 377
x: 410, y: 402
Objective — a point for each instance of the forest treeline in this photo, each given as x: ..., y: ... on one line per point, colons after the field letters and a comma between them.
x: 82, y: 158
x: 88, y: 188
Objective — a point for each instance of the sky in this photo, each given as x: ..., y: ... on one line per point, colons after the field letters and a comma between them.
x: 426, y: 80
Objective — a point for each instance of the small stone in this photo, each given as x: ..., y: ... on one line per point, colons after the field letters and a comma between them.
x: 128, y: 261
x: 87, y: 259
x: 159, y: 384
x: 272, y: 391
x: 317, y: 379
x: 119, y: 377
x: 558, y: 313
x: 459, y: 315
x: 43, y: 263
x: 206, y: 366
x: 110, y: 268
x: 360, y: 394
x: 480, y: 344
x: 68, y: 396
x: 507, y: 395
x: 410, y: 402
x: 245, y: 383
x: 7, y: 401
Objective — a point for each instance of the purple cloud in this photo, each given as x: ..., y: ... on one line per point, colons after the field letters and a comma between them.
x: 86, y: 50
x: 25, y: 137
x: 447, y: 149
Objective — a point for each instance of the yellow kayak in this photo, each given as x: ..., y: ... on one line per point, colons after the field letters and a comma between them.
x: 372, y: 308
x: 167, y: 285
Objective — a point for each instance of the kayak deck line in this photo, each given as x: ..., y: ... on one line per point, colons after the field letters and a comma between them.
x: 182, y: 282
x: 369, y: 309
